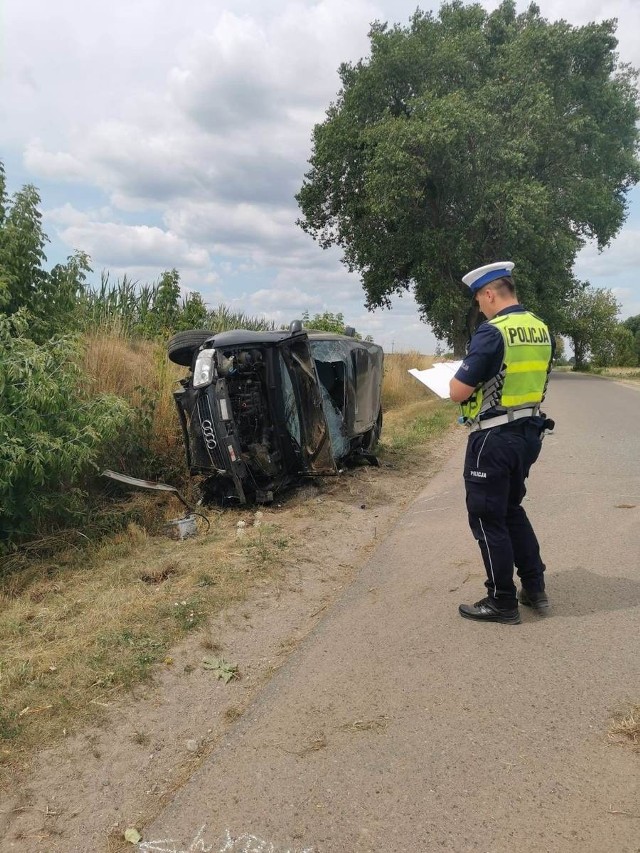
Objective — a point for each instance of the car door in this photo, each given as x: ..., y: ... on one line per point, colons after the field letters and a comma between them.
x: 367, y: 367
x: 315, y: 441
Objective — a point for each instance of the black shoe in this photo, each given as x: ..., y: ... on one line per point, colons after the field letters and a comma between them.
x: 539, y: 601
x: 486, y: 611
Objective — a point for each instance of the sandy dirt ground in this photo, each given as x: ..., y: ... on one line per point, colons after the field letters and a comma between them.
x: 84, y: 793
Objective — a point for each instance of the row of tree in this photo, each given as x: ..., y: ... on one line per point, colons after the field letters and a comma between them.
x: 590, y: 321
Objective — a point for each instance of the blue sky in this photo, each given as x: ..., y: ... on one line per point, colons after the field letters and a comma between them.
x: 175, y: 135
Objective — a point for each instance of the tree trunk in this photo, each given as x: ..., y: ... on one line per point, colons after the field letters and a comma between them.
x: 460, y: 341
x: 580, y: 354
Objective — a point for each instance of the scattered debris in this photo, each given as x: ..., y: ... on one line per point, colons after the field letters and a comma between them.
x: 221, y: 668
x: 132, y: 835
x: 182, y: 528
x: 377, y: 724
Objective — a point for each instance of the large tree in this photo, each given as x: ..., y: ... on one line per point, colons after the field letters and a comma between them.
x: 468, y: 137
x: 633, y: 325
x: 589, y: 321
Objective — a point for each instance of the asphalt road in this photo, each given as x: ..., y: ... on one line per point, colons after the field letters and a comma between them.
x: 398, y: 726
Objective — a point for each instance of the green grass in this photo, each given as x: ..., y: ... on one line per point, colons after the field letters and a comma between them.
x: 125, y: 658
x: 188, y: 613
x: 419, y: 430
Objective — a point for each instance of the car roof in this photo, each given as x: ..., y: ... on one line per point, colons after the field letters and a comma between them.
x: 239, y: 337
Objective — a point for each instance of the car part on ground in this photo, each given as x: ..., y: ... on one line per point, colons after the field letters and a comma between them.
x: 145, y: 484
x: 177, y: 528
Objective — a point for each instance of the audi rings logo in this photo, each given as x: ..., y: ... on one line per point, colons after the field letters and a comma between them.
x: 209, y: 435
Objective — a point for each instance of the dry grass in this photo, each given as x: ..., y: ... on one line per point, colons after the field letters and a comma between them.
x: 413, y: 415
x: 625, y: 727
x: 140, y: 372
x: 622, y: 371
x: 630, y: 373
x: 377, y: 724
x: 399, y: 388
x: 415, y: 426
x: 77, y: 632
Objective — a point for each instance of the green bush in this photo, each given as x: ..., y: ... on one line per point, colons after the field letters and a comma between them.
x: 51, y: 433
x: 49, y: 297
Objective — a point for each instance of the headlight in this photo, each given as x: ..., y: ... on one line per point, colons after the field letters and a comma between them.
x: 203, y: 371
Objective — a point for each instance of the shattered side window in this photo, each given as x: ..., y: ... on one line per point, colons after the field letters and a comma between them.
x: 316, y: 444
x: 339, y: 442
x: 331, y: 360
x: 292, y: 417
x: 329, y: 350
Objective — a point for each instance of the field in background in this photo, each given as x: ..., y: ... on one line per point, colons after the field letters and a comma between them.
x: 627, y: 373
x: 413, y: 416
x: 631, y: 373
x: 399, y: 387
x: 80, y: 626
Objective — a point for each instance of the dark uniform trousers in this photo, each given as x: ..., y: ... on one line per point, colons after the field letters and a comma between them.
x: 497, y: 464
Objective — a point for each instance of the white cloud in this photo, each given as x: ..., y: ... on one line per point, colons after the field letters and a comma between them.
x: 118, y: 245
x: 622, y: 256
x: 60, y: 165
x: 272, y: 298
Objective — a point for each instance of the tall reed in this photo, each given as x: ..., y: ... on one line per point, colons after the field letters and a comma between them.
x: 399, y: 387
x: 140, y: 372
x: 223, y: 319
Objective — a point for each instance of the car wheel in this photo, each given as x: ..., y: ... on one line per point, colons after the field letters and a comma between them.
x: 370, y: 439
x: 182, y: 345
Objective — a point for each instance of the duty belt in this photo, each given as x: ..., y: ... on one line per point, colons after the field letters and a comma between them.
x: 500, y: 420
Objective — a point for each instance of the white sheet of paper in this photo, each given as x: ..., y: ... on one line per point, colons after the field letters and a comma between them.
x: 437, y: 378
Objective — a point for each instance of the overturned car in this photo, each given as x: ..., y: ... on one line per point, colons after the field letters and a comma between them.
x: 261, y: 409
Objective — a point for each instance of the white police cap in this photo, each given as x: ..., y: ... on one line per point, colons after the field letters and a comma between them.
x: 483, y: 275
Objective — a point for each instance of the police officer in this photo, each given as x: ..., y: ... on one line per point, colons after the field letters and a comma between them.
x: 500, y: 386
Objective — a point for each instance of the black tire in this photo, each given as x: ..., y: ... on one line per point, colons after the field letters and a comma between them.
x: 370, y: 439
x: 183, y: 345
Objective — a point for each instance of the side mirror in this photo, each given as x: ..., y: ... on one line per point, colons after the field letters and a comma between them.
x: 350, y: 331
x: 295, y: 327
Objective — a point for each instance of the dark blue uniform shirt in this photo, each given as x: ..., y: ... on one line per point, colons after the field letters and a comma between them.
x: 486, y: 353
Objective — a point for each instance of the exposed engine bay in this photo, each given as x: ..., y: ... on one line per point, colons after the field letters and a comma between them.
x: 246, y: 376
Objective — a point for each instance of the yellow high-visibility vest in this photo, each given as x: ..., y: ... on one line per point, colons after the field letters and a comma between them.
x: 522, y: 381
